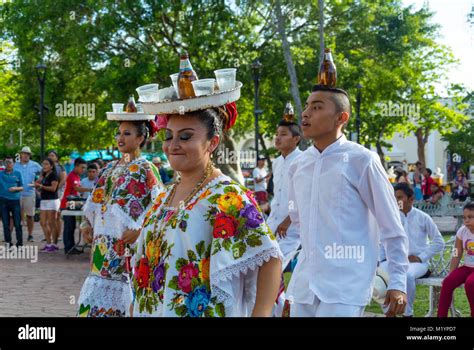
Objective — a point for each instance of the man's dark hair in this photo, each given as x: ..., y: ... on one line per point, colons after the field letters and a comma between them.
x: 294, y: 128
x: 92, y: 166
x: 8, y: 157
x: 428, y: 170
x: 469, y: 206
x: 406, y: 188
x: 339, y: 97
x: 79, y: 161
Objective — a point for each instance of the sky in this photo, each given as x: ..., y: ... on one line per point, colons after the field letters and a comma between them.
x: 456, y: 33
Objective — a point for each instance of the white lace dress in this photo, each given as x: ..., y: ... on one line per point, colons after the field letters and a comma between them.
x: 203, y: 261
x: 107, y: 290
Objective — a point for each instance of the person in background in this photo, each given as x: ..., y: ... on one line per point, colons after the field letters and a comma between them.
x: 11, y: 185
x: 100, y: 164
x: 424, y: 241
x: 436, y: 193
x: 29, y: 171
x: 90, y: 180
x: 426, y: 184
x: 460, y: 274
x: 261, y: 177
x: 61, y: 172
x: 402, y: 177
x: 163, y: 174
x: 460, y: 186
x: 417, y: 180
x: 73, y: 186
x: 47, y: 184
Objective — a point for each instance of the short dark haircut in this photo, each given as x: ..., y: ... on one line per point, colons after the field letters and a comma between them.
x: 8, y: 157
x: 79, y: 161
x: 293, y: 127
x: 339, y: 97
x: 92, y: 166
x: 405, y: 188
x: 469, y: 206
x: 428, y: 170
x: 418, y: 163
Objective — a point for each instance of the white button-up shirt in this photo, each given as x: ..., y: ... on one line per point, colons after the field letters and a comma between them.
x: 344, y: 205
x: 420, y: 227
x: 279, y: 204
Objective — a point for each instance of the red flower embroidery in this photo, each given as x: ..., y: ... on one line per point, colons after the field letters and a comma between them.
x: 136, y: 188
x: 224, y: 226
x: 143, y: 273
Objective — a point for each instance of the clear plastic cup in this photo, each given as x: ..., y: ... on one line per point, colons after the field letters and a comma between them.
x: 149, y: 96
x: 117, y: 107
x: 226, y: 78
x: 204, y: 86
x: 168, y: 93
x: 174, y: 80
x: 147, y: 93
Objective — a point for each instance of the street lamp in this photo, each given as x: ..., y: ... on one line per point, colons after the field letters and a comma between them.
x: 41, y: 75
x: 358, y: 98
x: 256, y: 69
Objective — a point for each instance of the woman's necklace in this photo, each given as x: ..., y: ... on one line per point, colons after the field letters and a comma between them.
x: 200, y: 185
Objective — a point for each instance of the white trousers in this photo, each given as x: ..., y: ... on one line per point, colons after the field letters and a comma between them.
x: 322, y: 309
x: 415, y: 270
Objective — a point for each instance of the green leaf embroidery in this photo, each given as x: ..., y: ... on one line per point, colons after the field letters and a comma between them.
x: 226, y: 243
x: 192, y: 255
x: 194, y: 283
x: 180, y: 263
x: 181, y: 310
x: 238, y: 249
x: 173, y: 283
x: 200, y: 248
x: 220, y: 310
x: 254, y: 240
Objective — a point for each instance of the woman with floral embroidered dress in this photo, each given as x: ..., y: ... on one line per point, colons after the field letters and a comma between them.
x: 205, y: 249
x: 114, y: 212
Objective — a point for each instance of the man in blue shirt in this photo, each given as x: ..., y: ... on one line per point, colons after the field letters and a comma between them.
x: 28, y: 169
x: 11, y: 185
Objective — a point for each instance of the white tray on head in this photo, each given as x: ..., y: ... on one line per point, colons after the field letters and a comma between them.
x: 181, y: 106
x: 129, y: 116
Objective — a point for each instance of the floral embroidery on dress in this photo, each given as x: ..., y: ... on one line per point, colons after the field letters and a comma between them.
x: 173, y: 275
x: 130, y: 187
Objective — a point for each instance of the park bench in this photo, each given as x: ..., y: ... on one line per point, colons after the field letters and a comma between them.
x: 439, y: 269
x: 445, y: 207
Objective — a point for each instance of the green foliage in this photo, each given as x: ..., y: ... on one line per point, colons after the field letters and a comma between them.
x: 98, y: 52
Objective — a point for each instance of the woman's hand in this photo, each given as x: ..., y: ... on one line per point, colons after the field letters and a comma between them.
x: 130, y: 236
x: 283, y: 227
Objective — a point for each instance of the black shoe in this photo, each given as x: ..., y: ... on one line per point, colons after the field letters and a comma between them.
x: 74, y: 251
x: 30, y: 239
x: 19, y: 245
x: 43, y: 240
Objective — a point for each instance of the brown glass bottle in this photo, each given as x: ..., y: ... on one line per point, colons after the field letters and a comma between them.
x: 131, y: 107
x: 289, y: 114
x: 327, y: 72
x: 185, y: 77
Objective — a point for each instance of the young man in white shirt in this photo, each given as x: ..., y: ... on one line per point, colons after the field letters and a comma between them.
x: 287, y: 138
x: 419, y: 227
x: 344, y: 205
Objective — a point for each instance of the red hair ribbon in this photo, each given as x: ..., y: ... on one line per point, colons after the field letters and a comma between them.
x: 231, y: 109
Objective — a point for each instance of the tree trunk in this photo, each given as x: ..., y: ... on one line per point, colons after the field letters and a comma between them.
x: 421, y: 139
x: 321, y: 30
x: 381, y: 154
x: 288, y: 59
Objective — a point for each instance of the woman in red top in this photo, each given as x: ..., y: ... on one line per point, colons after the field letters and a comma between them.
x: 426, y: 183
